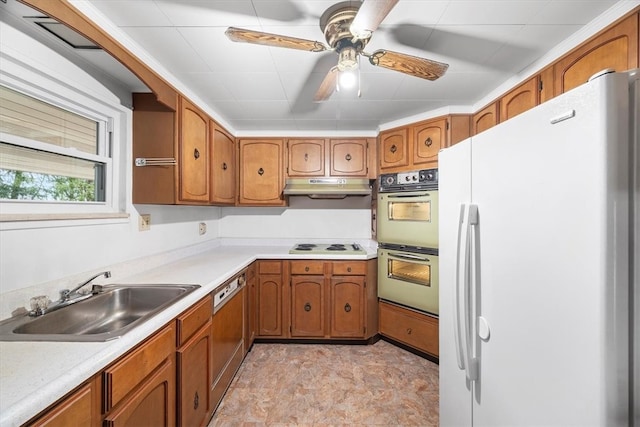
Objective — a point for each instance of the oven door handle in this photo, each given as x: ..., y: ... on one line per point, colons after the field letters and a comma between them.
x: 407, y: 196
x: 409, y: 257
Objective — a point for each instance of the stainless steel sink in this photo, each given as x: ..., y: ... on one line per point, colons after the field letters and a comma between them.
x: 113, y: 312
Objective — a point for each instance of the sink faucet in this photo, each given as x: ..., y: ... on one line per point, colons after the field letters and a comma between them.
x: 65, y: 294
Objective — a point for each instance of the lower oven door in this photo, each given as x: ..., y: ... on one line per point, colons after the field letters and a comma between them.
x: 408, y: 278
x: 408, y: 218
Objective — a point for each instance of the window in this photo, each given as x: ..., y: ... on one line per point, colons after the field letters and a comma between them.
x: 48, y: 153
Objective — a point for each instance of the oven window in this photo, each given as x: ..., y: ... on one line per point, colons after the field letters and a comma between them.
x: 411, y: 272
x: 410, y: 211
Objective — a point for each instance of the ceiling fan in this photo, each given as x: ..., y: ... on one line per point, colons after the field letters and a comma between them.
x: 348, y: 27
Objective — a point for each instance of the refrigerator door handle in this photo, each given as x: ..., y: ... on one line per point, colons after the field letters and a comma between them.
x: 469, y: 294
x: 458, y: 334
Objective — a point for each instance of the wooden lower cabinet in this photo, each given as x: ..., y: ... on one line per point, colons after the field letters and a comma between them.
x: 347, y: 307
x: 330, y: 299
x: 250, y: 315
x: 409, y: 327
x: 194, y: 379
x: 153, y: 403
x: 269, y: 281
x: 78, y: 409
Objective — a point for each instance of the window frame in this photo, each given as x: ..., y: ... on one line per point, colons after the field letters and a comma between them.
x: 95, y: 103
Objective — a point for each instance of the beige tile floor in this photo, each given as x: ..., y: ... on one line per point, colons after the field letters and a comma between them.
x: 331, y: 385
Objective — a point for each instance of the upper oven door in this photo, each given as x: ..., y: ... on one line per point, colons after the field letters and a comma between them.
x: 408, y: 218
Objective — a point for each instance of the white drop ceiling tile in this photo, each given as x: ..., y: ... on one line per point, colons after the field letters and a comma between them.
x: 360, y: 109
x: 264, y: 110
x: 327, y: 110
x: 276, y: 12
x: 316, y: 125
x: 416, y: 12
x: 453, y: 86
x: 141, y: 13
x: 223, y: 55
x: 195, y: 13
x: 570, y: 12
x: 209, y: 86
x: 490, y: 12
x: 380, y: 86
x: 255, y: 86
x: 168, y: 46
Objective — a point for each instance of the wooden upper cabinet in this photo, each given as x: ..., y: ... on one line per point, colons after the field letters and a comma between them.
x: 428, y: 138
x: 485, y: 118
x: 348, y: 157
x: 194, y: 153
x: 261, y: 172
x: 615, y: 48
x: 458, y: 128
x: 393, y: 149
x: 523, y: 98
x: 223, y: 166
x: 306, y: 157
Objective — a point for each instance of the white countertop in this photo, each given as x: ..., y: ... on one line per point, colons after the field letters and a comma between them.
x: 33, y: 375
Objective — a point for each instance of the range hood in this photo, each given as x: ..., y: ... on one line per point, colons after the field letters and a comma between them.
x: 327, y: 188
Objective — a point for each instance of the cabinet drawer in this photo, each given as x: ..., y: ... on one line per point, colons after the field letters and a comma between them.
x: 412, y: 328
x: 122, y: 377
x: 269, y: 267
x: 191, y: 320
x: 307, y: 267
x: 346, y: 268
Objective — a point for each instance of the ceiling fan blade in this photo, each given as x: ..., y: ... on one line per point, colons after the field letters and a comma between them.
x: 369, y: 17
x: 412, y: 65
x: 327, y: 86
x: 276, y: 40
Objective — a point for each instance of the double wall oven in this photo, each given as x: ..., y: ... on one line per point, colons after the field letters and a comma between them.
x: 407, y: 230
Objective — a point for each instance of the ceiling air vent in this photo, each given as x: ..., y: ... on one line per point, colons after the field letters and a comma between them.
x: 64, y: 33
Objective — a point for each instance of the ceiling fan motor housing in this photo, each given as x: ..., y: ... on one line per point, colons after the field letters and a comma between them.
x: 335, y: 23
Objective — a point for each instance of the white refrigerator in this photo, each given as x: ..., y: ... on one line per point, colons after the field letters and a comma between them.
x: 539, y: 265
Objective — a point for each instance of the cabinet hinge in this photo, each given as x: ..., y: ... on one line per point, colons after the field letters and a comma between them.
x: 446, y: 125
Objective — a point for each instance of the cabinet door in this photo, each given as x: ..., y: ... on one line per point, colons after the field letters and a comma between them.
x: 485, y: 118
x: 615, y: 48
x: 307, y: 306
x: 523, y: 98
x: 306, y: 157
x: 194, y: 379
x: 394, y: 149
x: 75, y: 410
x: 223, y: 166
x: 261, y: 172
x: 152, y: 404
x: 194, y: 154
x: 347, y: 306
x: 269, y: 305
x: 348, y: 157
x: 428, y: 139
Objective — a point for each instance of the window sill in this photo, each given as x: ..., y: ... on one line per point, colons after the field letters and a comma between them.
x: 21, y: 221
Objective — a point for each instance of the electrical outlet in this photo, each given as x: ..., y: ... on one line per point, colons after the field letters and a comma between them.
x: 144, y: 222
x: 202, y: 228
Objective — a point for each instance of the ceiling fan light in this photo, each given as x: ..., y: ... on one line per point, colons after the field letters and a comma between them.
x: 347, y: 79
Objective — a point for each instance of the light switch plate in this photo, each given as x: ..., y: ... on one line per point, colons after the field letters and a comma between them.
x: 144, y: 222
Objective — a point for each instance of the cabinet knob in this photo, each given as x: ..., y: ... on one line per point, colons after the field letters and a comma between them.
x: 349, y: 269
x: 347, y: 307
x: 196, y: 153
x: 196, y: 401
x: 348, y: 157
x: 428, y: 142
x: 393, y: 148
x: 306, y: 269
x: 224, y: 166
x: 307, y: 307
x: 306, y: 157
x: 260, y: 171
x: 409, y: 331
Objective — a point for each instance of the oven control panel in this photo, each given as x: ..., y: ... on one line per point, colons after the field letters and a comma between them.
x: 407, y: 181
